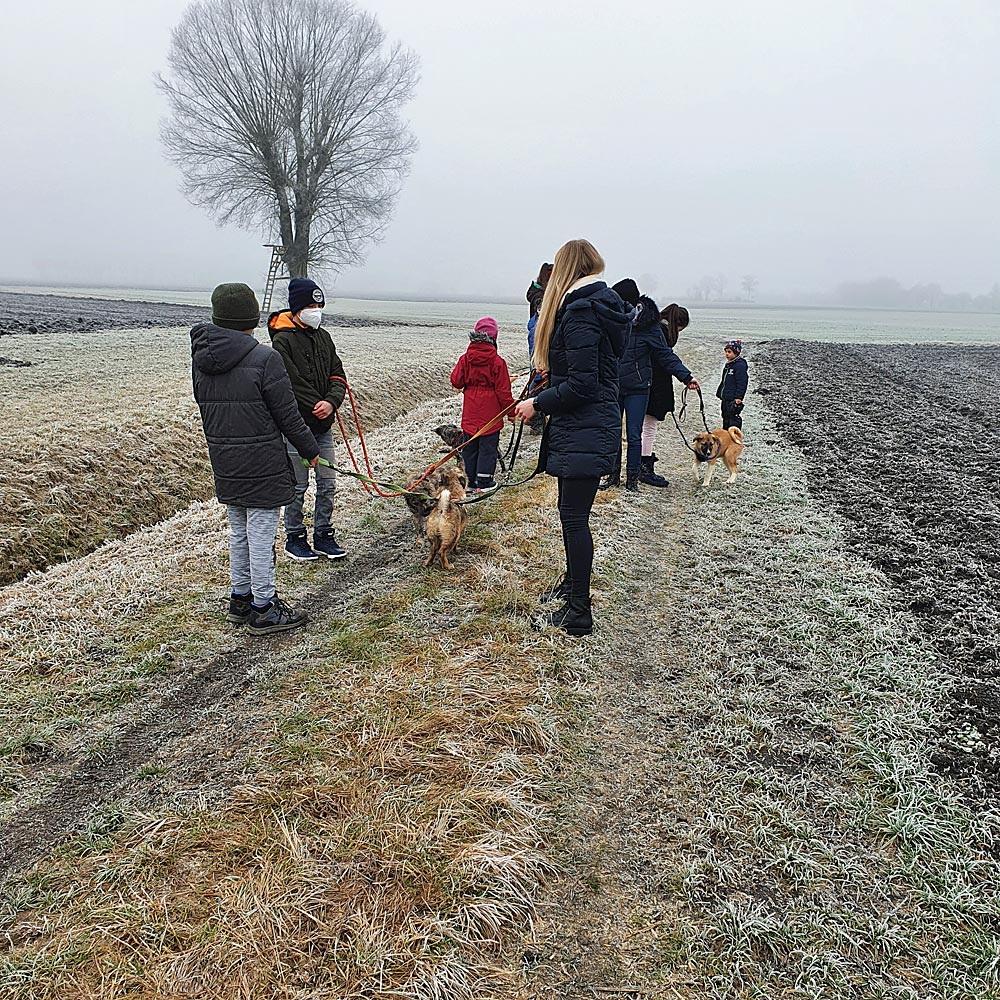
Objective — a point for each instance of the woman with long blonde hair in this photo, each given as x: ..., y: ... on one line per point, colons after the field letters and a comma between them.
x: 581, y: 334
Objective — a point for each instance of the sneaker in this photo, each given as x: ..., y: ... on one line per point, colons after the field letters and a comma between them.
x: 276, y: 617
x: 240, y: 606
x: 325, y: 544
x: 296, y: 547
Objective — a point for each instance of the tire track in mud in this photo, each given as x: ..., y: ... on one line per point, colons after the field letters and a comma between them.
x: 899, y: 437
x: 222, y: 683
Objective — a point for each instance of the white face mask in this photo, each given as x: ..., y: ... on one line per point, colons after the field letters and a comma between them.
x: 312, y: 317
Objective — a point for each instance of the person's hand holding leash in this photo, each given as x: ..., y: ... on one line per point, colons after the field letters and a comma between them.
x: 693, y: 385
x: 525, y: 409
x: 322, y: 409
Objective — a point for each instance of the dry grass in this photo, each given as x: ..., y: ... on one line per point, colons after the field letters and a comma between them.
x: 731, y: 777
x: 101, y: 437
x: 384, y: 844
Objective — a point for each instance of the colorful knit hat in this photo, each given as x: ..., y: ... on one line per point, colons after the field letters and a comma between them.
x: 736, y: 346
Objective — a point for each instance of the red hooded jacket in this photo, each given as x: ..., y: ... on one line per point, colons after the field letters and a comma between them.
x: 483, y: 376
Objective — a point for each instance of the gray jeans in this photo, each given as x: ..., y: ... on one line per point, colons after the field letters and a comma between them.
x: 326, y: 487
x: 251, y: 550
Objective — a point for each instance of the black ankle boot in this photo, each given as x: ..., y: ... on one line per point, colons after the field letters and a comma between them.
x: 647, y: 475
x: 560, y: 592
x: 612, y: 480
x: 632, y: 482
x: 574, y: 617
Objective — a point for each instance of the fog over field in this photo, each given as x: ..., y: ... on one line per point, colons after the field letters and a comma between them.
x: 806, y: 144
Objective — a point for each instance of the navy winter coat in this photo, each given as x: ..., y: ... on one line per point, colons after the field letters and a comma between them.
x: 246, y: 403
x: 583, y: 436
x: 734, y: 380
x: 646, y: 345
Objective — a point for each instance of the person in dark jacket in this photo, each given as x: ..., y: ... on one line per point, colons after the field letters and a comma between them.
x: 536, y: 290
x: 580, y: 338
x: 316, y: 373
x: 673, y: 320
x: 733, y: 387
x: 246, y: 403
x: 482, y: 376
x: 646, y: 346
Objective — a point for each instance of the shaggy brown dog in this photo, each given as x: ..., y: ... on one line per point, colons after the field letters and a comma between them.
x: 446, y: 521
x: 709, y: 448
x: 424, y: 496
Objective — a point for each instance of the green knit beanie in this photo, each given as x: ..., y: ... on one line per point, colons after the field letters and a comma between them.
x: 235, y: 306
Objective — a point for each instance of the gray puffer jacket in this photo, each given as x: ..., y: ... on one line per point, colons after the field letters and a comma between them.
x: 246, y: 403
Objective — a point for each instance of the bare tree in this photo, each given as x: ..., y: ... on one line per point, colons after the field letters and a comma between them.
x: 749, y: 286
x: 720, y: 285
x: 286, y: 114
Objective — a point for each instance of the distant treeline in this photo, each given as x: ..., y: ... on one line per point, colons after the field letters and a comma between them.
x: 887, y: 293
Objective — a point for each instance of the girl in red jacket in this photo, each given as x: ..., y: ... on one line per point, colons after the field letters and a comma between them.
x: 482, y: 376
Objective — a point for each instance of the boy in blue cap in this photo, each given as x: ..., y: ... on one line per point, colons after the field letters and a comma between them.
x: 315, y: 371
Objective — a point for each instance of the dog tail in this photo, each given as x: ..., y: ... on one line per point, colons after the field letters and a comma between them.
x: 444, y: 501
x: 737, y: 434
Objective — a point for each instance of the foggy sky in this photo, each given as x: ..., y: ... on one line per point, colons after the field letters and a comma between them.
x: 804, y: 141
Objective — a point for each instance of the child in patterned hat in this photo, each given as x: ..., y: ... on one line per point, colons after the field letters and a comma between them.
x: 733, y: 387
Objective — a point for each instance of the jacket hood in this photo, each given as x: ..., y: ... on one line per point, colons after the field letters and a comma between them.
x: 609, y: 309
x: 649, y: 313
x: 480, y: 351
x: 215, y: 350
x: 281, y: 320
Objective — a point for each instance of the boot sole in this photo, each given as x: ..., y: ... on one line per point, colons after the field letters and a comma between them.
x: 326, y: 555
x: 577, y: 633
x: 237, y: 620
x: 301, y: 558
x: 272, y: 629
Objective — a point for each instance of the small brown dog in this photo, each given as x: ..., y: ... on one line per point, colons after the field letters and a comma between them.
x: 446, y: 521
x: 423, y: 497
x: 709, y: 448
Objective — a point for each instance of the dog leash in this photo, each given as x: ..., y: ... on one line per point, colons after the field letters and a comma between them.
x: 694, y: 451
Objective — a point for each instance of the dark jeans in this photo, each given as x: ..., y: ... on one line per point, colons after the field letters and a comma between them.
x: 634, y: 408
x: 731, y: 414
x: 576, y: 498
x: 480, y: 459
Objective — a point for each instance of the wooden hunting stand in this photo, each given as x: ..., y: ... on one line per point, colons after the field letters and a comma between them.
x: 273, y: 275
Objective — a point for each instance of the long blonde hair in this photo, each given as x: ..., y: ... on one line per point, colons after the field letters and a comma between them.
x: 573, y: 260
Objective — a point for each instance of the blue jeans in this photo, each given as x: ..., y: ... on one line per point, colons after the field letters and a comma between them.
x: 634, y: 408
x: 326, y: 486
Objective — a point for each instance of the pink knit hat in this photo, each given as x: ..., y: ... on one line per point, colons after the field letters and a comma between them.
x: 487, y: 325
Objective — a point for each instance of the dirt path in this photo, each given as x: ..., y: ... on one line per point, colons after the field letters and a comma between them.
x: 222, y: 686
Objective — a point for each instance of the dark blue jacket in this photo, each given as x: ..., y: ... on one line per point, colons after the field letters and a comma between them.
x: 734, y: 380
x: 247, y: 403
x: 646, y: 344
x: 583, y: 436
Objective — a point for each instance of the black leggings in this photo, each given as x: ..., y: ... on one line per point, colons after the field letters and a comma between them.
x: 731, y: 411
x: 576, y: 498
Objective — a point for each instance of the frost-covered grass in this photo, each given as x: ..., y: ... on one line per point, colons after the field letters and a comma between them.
x: 101, y: 436
x: 726, y: 789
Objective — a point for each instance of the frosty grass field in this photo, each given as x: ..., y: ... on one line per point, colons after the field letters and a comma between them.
x: 770, y: 773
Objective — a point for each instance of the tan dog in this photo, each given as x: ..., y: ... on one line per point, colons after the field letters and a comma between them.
x: 709, y: 448
x: 446, y: 521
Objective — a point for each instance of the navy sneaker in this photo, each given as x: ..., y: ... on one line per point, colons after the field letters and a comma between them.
x: 239, y: 608
x: 297, y: 548
x: 276, y: 617
x: 325, y: 544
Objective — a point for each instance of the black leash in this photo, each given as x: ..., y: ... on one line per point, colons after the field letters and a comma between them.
x: 701, y: 407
